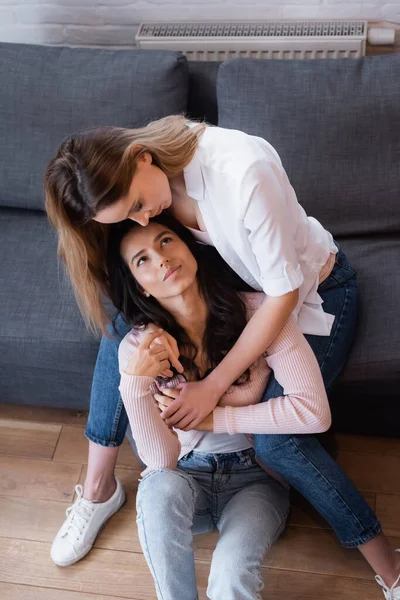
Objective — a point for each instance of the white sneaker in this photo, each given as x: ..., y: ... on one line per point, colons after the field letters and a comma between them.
x: 84, y: 521
x: 392, y: 593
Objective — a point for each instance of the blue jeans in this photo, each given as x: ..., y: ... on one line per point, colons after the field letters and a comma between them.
x: 301, y: 459
x: 228, y: 491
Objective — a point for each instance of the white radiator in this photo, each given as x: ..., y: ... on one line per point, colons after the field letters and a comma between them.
x: 220, y: 41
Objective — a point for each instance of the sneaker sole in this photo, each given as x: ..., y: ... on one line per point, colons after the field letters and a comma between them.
x: 76, y: 559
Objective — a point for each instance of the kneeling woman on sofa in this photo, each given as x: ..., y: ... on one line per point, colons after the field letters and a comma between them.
x: 199, y: 479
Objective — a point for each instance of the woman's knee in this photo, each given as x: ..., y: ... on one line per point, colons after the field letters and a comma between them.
x: 162, y: 490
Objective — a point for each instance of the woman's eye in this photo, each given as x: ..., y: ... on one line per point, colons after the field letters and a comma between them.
x: 137, y: 208
x: 166, y: 239
x: 139, y: 262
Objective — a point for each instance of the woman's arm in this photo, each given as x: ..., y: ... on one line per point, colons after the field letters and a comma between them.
x: 260, y: 332
x: 303, y: 408
x: 158, y: 446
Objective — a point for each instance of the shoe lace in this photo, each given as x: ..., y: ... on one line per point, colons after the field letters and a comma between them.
x: 78, y: 514
x: 388, y: 592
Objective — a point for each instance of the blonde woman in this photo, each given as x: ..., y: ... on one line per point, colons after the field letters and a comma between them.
x: 232, y: 191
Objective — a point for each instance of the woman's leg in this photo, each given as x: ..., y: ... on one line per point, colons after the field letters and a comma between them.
x: 167, y: 502
x: 102, y: 495
x: 301, y: 459
x: 108, y: 421
x: 250, y: 523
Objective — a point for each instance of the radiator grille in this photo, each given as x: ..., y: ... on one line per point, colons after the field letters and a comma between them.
x: 253, y: 30
x: 220, y: 41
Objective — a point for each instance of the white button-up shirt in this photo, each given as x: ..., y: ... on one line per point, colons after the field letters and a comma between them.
x: 255, y: 222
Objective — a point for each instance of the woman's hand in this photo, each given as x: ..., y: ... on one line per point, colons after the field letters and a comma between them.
x: 170, y: 344
x: 150, y: 359
x: 164, y: 398
x: 168, y: 395
x: 195, y: 402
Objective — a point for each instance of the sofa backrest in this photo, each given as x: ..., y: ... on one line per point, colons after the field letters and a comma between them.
x: 48, y: 92
x: 336, y: 126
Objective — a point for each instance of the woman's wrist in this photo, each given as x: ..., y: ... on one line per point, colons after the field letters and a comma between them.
x: 216, y: 389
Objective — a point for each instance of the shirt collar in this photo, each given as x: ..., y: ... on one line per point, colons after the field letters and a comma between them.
x: 194, y: 180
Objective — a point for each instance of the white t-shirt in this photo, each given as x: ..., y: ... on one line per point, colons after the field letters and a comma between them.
x: 255, y: 222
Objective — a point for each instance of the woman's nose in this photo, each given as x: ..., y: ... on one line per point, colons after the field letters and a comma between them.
x: 143, y: 220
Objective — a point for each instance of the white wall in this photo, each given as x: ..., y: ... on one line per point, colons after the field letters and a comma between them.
x: 114, y: 22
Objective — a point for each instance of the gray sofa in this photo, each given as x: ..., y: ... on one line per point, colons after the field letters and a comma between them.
x: 336, y: 125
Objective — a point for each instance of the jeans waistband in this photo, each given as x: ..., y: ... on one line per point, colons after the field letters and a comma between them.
x: 224, y: 461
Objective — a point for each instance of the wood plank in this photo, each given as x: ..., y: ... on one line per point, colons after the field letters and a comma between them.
x: 39, y: 520
x: 10, y: 591
x: 303, y: 514
x: 28, y: 440
x: 31, y: 518
x: 43, y: 414
x: 372, y: 472
x: 73, y: 447
x: 318, y: 551
x: 47, y: 480
x: 106, y: 573
x: 388, y: 512
x: 102, y: 572
x: 305, y: 586
x: 368, y: 444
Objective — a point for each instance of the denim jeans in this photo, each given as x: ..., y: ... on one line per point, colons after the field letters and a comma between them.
x: 228, y: 491
x: 300, y: 459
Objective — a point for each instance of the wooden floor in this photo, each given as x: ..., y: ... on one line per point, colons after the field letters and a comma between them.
x: 42, y: 458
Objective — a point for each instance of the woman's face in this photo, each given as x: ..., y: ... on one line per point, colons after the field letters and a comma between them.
x: 148, y: 195
x: 159, y: 260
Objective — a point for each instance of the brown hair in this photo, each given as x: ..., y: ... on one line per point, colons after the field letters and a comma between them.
x: 92, y: 170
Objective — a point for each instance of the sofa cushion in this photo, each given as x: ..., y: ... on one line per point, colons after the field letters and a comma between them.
x: 47, y: 355
x: 48, y: 92
x: 376, y: 353
x: 336, y: 126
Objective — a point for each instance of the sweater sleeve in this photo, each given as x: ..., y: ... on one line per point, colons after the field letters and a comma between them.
x: 157, y: 445
x: 303, y: 408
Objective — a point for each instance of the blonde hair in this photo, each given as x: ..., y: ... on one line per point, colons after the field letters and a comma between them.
x: 92, y: 170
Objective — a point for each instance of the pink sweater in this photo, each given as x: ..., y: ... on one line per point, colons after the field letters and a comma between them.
x: 303, y: 409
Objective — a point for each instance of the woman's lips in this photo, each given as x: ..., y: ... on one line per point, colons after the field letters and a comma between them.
x: 171, y: 272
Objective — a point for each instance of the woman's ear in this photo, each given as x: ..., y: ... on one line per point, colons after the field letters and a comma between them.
x: 146, y: 294
x: 144, y: 158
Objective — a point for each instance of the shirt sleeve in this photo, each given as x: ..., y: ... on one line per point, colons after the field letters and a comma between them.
x: 270, y: 227
x: 157, y: 445
x: 303, y: 407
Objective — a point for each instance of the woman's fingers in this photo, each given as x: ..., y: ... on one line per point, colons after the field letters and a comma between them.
x: 149, y: 338
x: 163, y: 401
x: 172, y: 348
x: 167, y: 373
x: 160, y: 352
x: 164, y: 365
x: 175, y: 414
x: 171, y: 392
